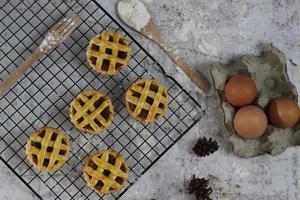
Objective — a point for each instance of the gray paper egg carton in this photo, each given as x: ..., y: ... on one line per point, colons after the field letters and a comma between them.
x: 270, y: 76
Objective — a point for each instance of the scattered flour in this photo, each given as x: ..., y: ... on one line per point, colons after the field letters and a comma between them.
x: 48, y: 42
x: 240, y: 171
x: 187, y: 32
x: 133, y: 13
x: 182, y: 32
x: 52, y: 39
x: 207, y: 48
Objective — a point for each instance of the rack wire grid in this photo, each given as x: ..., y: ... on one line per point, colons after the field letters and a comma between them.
x: 43, y: 95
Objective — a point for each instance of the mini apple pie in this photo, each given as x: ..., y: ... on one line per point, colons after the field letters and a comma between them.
x: 91, y: 112
x: 105, y: 172
x: 108, y: 53
x: 47, y: 149
x: 146, y: 100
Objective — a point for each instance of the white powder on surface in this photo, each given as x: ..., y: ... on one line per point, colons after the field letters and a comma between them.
x: 48, y: 42
x: 134, y: 14
x: 181, y: 33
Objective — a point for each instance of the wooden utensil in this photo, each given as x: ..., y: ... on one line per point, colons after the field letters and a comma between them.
x: 54, y: 37
x: 151, y: 31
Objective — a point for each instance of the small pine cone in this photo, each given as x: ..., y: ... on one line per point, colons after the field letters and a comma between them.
x: 205, y: 147
x: 199, y: 187
x: 196, y: 184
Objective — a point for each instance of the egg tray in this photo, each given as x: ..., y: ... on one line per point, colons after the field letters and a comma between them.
x: 43, y: 95
x: 269, y: 72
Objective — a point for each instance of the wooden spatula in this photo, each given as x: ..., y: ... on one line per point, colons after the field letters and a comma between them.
x: 54, y: 37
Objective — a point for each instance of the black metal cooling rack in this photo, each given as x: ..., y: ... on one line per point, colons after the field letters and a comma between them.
x: 42, y: 97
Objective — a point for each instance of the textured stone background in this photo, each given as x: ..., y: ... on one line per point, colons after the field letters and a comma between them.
x: 203, y: 32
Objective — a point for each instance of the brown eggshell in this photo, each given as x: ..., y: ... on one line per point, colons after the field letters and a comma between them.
x: 240, y: 90
x: 250, y: 122
x: 284, y: 112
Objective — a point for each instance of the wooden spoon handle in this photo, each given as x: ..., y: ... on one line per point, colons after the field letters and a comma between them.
x: 151, y: 31
x: 18, y: 73
x: 195, y: 76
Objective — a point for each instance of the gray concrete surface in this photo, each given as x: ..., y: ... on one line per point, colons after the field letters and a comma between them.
x: 204, y: 32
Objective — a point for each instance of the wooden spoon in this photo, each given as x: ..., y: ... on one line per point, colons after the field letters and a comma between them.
x: 135, y: 15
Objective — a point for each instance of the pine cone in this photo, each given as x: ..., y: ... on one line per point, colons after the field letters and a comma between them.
x: 199, y: 187
x: 205, y: 147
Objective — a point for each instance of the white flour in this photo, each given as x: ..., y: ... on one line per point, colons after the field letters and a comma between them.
x: 134, y: 14
x: 182, y: 33
x: 48, y: 42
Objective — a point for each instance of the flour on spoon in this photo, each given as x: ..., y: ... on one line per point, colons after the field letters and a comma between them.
x: 134, y: 13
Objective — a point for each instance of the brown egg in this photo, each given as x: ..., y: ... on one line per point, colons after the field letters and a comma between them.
x: 250, y: 122
x: 240, y: 90
x: 284, y: 112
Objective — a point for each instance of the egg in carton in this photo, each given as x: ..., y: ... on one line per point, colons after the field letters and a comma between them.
x: 269, y: 73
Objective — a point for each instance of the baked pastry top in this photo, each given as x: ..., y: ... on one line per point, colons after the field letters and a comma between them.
x: 108, y: 53
x: 47, y: 149
x: 146, y: 100
x: 91, y: 112
x: 105, y: 172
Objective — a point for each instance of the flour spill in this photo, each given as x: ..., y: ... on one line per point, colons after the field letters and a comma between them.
x: 48, y: 42
x: 134, y: 14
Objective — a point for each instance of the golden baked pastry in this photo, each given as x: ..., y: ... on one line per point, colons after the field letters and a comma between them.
x: 47, y: 149
x: 108, y: 53
x: 146, y: 100
x: 105, y: 172
x: 91, y: 112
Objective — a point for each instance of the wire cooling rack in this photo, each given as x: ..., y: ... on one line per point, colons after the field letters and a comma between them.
x: 42, y: 98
